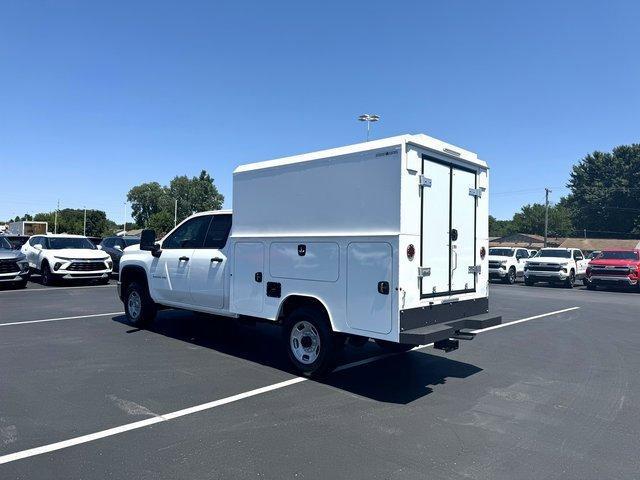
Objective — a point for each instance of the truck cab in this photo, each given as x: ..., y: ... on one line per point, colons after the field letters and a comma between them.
x: 556, y: 265
x: 507, y: 263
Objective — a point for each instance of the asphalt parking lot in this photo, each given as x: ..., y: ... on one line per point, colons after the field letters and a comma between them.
x: 85, y: 395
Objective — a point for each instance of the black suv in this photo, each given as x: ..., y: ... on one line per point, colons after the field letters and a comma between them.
x: 115, y: 246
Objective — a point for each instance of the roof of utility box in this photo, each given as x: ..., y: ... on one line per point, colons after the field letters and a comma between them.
x: 419, y: 140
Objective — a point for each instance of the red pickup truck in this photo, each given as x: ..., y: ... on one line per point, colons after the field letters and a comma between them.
x: 614, y: 268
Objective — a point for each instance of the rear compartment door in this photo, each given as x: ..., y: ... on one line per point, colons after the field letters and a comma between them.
x: 448, y: 229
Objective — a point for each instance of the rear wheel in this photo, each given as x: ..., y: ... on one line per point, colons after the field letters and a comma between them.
x: 138, y: 305
x: 310, y: 343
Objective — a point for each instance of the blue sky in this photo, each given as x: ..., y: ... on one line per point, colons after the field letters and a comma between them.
x: 96, y: 97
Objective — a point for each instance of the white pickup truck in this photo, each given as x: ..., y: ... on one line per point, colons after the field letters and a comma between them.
x: 556, y: 265
x: 384, y: 240
x: 507, y: 264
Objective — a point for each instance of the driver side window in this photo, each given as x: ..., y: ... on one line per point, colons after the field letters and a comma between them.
x: 189, y: 235
x: 577, y: 255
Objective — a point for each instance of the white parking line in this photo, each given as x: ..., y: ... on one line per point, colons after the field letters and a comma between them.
x: 12, y: 457
x: 60, y: 318
x: 56, y: 289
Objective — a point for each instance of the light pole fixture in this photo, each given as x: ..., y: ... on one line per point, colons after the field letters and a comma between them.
x: 367, y: 117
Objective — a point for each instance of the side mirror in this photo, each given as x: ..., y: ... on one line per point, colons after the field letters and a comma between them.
x: 99, y: 247
x: 38, y: 247
x: 148, y: 242
x: 118, y: 247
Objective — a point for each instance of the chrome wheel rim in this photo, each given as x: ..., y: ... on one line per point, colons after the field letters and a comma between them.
x: 135, y: 304
x: 304, y: 342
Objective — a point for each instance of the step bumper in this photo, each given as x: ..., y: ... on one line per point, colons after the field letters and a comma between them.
x: 441, y: 331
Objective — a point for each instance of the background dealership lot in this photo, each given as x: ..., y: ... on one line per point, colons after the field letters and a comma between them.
x: 551, y: 397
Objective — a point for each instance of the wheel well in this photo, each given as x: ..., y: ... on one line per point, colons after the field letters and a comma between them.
x: 292, y: 302
x: 131, y: 274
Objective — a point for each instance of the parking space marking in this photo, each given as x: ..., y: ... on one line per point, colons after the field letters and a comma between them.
x: 525, y: 319
x: 56, y: 289
x: 60, y: 318
x: 12, y: 457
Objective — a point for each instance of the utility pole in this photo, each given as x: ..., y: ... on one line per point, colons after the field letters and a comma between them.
x: 175, y: 212
x: 546, y: 214
x: 124, y: 220
x: 84, y: 229
x: 55, y: 221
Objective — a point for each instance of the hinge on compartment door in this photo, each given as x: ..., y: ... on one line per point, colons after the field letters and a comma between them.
x: 424, y: 181
x: 476, y: 192
x: 424, y: 271
x: 475, y: 269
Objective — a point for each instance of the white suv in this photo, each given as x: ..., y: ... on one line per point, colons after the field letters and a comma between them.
x: 506, y: 263
x: 556, y: 265
x: 67, y: 257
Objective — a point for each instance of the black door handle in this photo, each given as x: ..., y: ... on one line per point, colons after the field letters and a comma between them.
x: 216, y: 259
x: 383, y: 288
x: 184, y: 259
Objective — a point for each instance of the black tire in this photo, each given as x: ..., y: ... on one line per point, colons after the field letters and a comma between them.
x: 591, y: 286
x: 393, y: 347
x: 510, y: 277
x: 21, y: 284
x: 46, y: 276
x: 528, y: 283
x: 146, y: 309
x: 571, y: 280
x: 307, y: 334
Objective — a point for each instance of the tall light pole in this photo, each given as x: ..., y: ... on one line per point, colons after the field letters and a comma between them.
x: 124, y: 220
x: 369, y: 118
x: 84, y: 229
x: 175, y: 212
x: 546, y: 214
x: 55, y: 221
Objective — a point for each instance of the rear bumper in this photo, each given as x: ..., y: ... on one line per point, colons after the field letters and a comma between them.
x: 424, y: 325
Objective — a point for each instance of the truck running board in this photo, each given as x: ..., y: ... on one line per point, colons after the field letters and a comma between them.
x: 451, y: 329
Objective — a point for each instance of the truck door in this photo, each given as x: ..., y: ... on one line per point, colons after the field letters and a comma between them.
x: 448, y: 253
x: 208, y: 265
x: 170, y: 272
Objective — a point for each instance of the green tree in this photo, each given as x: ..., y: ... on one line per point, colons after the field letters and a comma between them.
x: 605, y: 188
x: 499, y: 228
x: 161, y: 222
x: 194, y: 194
x: 530, y: 219
x: 71, y: 220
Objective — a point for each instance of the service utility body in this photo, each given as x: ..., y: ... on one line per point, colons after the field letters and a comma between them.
x: 384, y: 240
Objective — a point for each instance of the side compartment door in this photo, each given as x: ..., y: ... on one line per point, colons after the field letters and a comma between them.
x: 435, y: 252
x: 369, y: 280
x: 248, y: 289
x: 463, y: 230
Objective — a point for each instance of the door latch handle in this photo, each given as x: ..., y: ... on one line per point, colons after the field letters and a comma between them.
x: 383, y: 288
x: 184, y: 259
x: 216, y: 259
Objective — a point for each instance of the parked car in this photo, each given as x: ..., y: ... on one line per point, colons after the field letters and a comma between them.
x: 115, y: 246
x: 556, y: 265
x: 507, y: 264
x: 16, y: 241
x: 326, y: 261
x: 614, y: 268
x: 66, y: 257
x: 14, y: 268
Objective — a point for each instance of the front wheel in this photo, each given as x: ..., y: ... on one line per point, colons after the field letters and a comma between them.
x: 571, y: 280
x: 310, y: 342
x: 138, y: 305
x: 510, y: 278
x: 46, y: 275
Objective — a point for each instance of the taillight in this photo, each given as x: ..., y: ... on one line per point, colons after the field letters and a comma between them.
x: 483, y: 252
x: 411, y: 251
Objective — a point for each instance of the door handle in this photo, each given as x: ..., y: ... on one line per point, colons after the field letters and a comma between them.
x: 216, y: 259
x: 184, y: 259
